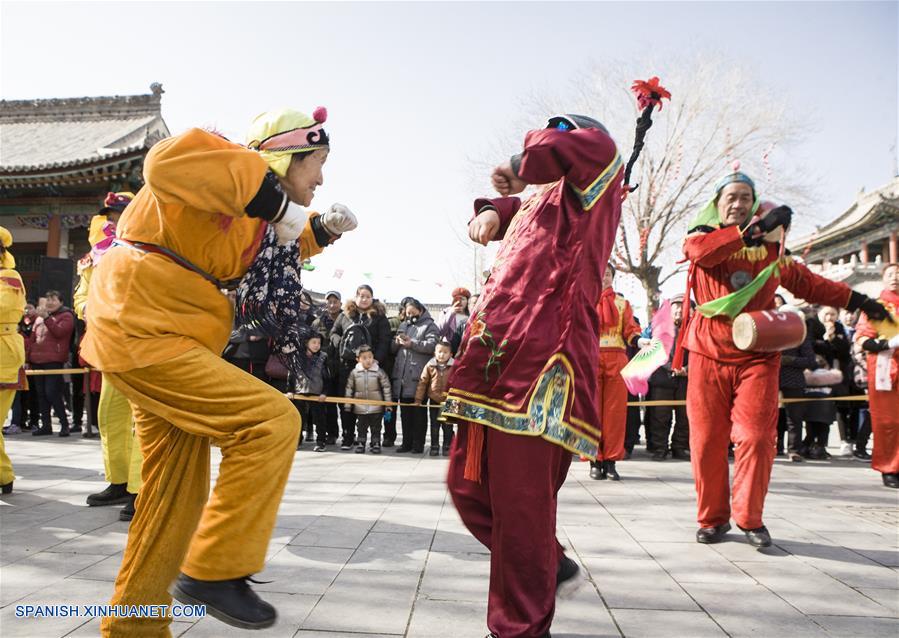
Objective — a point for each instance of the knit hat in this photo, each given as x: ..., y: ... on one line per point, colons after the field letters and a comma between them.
x: 461, y: 292
x: 281, y: 133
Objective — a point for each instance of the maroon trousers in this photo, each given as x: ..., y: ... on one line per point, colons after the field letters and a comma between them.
x: 512, y: 511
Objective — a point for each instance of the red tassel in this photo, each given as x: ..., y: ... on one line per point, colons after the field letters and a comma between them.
x: 474, y: 452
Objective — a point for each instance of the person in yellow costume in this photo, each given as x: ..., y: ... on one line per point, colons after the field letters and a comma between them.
x: 211, y: 214
x: 12, y: 346
x: 121, y: 457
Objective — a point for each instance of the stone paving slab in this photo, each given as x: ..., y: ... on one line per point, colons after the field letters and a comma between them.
x: 368, y: 546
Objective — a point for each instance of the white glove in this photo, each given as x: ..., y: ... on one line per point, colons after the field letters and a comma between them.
x: 291, y: 224
x: 339, y: 219
x: 642, y: 342
x: 894, y: 342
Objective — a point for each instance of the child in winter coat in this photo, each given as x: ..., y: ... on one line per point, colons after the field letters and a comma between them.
x: 433, y: 386
x: 312, y: 384
x: 368, y: 381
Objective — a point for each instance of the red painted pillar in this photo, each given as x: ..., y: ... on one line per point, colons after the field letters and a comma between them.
x: 53, y: 235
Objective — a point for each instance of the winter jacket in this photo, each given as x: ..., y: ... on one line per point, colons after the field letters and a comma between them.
x: 434, y: 381
x: 242, y: 347
x: 372, y: 384
x: 662, y: 377
x: 315, y: 377
x: 323, y: 326
x: 378, y: 329
x: 51, y: 338
x: 411, y: 361
x: 821, y: 384
x: 792, y: 363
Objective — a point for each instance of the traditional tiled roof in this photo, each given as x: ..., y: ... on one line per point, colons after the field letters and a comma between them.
x: 872, y: 215
x: 76, y: 140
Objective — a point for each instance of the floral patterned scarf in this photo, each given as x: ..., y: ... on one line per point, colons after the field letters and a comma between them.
x: 268, y: 299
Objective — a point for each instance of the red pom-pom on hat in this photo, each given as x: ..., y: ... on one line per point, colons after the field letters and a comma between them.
x: 320, y: 114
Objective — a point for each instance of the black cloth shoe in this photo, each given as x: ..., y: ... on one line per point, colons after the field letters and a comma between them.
x: 861, y: 455
x: 387, y: 443
x: 659, y: 455
x: 75, y: 429
x: 680, y: 455
x: 758, y: 537
x: 231, y: 601
x: 403, y: 449
x: 346, y: 446
x: 376, y: 449
x: 567, y: 577
x: 445, y: 451
x: 891, y: 480
x: 611, y: 472
x: 709, y: 535
x: 6, y: 488
x: 127, y: 512
x: 360, y: 448
x: 597, y: 471
x: 434, y: 451
x: 319, y: 447
x: 42, y: 432
x: 332, y: 440
x: 114, y: 494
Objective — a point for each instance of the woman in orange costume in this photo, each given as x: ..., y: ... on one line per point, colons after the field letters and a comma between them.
x: 211, y: 212
x: 12, y: 346
x: 881, y: 341
x: 617, y: 330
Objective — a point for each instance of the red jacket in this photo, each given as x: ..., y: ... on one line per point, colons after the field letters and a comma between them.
x: 722, y: 264
x: 52, y: 337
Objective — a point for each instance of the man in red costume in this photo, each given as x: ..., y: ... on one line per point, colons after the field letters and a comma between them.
x: 617, y: 331
x: 731, y: 393
x: 881, y: 341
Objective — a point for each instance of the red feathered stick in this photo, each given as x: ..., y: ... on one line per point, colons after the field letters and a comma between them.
x: 649, y: 94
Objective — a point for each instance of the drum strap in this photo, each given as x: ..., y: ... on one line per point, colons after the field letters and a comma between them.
x: 733, y: 304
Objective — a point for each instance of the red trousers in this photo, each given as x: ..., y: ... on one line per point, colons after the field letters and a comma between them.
x: 736, y: 403
x: 611, y: 396
x: 884, y: 406
x: 512, y: 511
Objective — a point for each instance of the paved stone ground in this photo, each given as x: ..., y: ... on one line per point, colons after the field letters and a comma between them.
x: 371, y: 546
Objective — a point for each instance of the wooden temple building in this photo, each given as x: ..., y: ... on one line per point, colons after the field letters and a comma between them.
x: 855, y: 246
x: 58, y: 159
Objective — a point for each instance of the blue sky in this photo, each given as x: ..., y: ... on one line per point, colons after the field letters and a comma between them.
x: 416, y: 90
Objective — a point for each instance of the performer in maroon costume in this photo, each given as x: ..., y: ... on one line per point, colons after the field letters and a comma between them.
x: 528, y: 365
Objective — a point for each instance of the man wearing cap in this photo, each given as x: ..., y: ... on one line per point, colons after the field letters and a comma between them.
x: 736, y: 265
x: 157, y: 324
x: 121, y: 455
